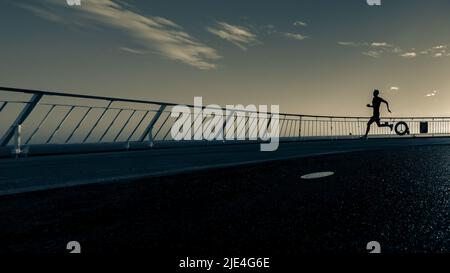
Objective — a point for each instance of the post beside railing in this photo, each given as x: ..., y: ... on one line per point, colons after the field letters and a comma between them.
x: 17, y: 150
x: 149, y: 130
x: 26, y: 111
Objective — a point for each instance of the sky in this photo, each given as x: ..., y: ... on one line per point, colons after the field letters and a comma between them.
x: 316, y: 57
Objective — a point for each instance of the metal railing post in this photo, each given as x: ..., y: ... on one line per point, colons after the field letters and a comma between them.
x: 17, y: 150
x: 149, y: 129
x: 3, y: 106
x: 26, y: 111
x: 227, y: 121
x: 433, y: 128
x: 331, y: 121
x: 300, y: 129
x: 359, y: 127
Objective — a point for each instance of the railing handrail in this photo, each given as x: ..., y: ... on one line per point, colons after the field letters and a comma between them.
x: 62, y: 94
x: 110, y: 99
x: 115, y: 99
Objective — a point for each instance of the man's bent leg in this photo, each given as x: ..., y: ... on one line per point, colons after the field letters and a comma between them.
x: 372, y: 120
x: 391, y: 126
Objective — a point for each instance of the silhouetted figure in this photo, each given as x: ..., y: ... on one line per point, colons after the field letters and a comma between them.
x: 376, y: 103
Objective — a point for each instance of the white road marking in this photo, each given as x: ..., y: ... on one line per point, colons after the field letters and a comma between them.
x: 317, y: 175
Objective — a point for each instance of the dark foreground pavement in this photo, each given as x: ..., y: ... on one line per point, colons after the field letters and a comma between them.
x: 399, y: 197
x: 61, y: 171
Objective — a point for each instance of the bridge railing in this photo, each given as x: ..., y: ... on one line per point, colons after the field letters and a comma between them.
x: 33, y: 121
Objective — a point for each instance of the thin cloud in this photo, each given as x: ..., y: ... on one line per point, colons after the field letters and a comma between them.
x: 395, y: 88
x: 364, y: 44
x: 268, y: 29
x: 432, y: 94
x: 237, y: 35
x: 409, y: 55
x: 437, y: 51
x: 272, y: 30
x: 385, y: 47
x: 381, y: 45
x: 295, y: 36
x: 300, y: 24
x: 373, y: 53
x: 440, y: 47
x: 352, y: 44
x: 375, y: 49
x: 152, y: 33
x: 378, y: 49
x: 131, y: 50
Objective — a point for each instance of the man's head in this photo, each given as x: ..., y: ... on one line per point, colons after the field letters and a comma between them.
x: 376, y: 93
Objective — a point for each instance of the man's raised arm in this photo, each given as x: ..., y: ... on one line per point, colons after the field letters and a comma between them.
x: 387, y: 104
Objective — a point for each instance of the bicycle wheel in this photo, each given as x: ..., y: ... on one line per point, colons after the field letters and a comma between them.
x: 402, y: 128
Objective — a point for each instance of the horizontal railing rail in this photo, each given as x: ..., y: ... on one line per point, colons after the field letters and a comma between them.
x: 35, y: 118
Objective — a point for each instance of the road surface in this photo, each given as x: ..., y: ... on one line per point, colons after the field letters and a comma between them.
x: 47, y: 172
x: 398, y: 196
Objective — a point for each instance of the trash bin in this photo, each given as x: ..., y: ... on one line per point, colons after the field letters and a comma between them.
x: 424, y: 127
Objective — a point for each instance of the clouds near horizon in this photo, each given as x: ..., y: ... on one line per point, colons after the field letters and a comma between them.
x: 379, y: 49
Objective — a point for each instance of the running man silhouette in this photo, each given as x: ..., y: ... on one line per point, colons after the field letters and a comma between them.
x: 376, y: 103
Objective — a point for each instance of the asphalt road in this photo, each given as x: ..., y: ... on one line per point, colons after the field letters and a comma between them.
x: 47, y: 172
x: 399, y: 197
